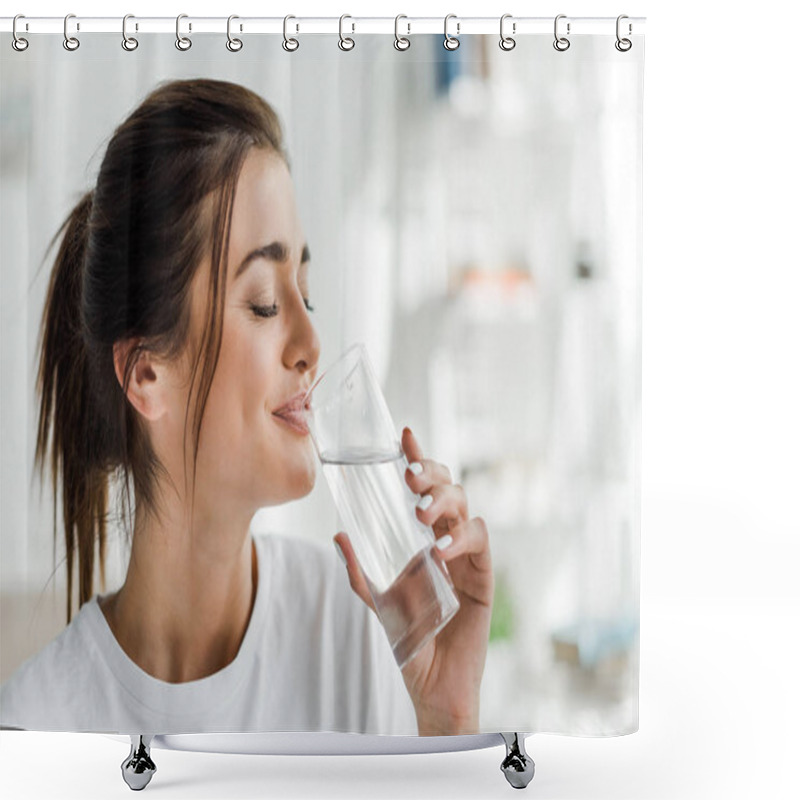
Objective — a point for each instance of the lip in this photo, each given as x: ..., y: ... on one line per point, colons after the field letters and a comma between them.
x: 293, y: 420
x: 296, y: 404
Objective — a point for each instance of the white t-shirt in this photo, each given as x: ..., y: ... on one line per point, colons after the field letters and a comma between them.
x: 313, y: 658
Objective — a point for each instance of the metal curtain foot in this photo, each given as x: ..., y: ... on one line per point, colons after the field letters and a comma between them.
x: 138, y: 767
x: 518, y: 766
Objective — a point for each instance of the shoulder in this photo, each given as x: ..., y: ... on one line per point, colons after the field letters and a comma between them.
x: 294, y: 550
x: 41, y: 685
x: 307, y: 580
x: 310, y: 573
x: 304, y: 567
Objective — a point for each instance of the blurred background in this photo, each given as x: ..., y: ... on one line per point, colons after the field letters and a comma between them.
x: 474, y: 218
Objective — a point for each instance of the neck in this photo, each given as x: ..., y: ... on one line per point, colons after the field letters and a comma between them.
x: 186, y: 602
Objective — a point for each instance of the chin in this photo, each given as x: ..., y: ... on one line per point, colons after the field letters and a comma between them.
x: 310, y: 481
x: 292, y: 487
x: 290, y: 476
x: 302, y: 480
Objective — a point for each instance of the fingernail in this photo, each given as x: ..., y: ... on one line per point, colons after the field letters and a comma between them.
x: 415, y: 467
x: 425, y: 502
x: 339, y: 551
x: 444, y: 541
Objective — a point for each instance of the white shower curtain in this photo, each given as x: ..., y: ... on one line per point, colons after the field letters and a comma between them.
x: 475, y: 218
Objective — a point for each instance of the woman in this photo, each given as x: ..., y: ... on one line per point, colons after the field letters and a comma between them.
x: 177, y: 322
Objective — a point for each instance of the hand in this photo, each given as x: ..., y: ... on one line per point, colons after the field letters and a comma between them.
x: 444, y: 677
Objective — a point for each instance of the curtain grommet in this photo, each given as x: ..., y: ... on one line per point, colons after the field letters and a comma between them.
x: 129, y: 43
x: 623, y: 45
x: 561, y: 43
x: 233, y: 44
x: 346, y: 43
x: 451, y: 42
x: 401, y: 42
x: 18, y: 42
x: 70, y: 43
x: 182, y: 42
x: 507, y: 42
x: 289, y: 45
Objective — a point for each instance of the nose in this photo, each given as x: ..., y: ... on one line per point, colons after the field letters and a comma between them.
x: 303, y: 346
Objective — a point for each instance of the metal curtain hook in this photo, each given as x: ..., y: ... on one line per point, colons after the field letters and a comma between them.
x: 128, y: 42
x: 289, y: 44
x: 18, y: 43
x: 346, y: 43
x: 561, y: 43
x: 400, y: 42
x: 182, y: 42
x: 623, y: 45
x: 233, y: 44
x: 450, y: 42
x: 70, y: 42
x: 507, y: 42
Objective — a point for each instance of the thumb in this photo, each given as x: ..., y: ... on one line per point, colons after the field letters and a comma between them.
x: 358, y: 583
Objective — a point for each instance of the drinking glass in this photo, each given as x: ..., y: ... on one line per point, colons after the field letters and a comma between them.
x: 364, y: 465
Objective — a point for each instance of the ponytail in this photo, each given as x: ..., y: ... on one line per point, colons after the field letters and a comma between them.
x: 67, y: 409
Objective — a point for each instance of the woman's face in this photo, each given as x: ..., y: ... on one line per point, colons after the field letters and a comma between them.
x: 247, y: 456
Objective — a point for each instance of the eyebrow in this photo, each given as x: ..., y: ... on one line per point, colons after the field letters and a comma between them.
x: 276, y: 251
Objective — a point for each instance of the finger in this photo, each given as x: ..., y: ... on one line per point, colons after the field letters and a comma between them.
x: 468, y: 538
x: 429, y: 473
x: 358, y: 582
x: 449, y: 502
x: 411, y: 446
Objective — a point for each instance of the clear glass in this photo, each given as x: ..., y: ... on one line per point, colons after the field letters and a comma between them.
x: 364, y: 465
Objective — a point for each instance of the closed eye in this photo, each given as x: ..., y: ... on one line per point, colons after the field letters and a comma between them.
x: 272, y: 310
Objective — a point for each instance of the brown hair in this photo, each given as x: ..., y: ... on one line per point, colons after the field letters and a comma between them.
x: 162, y: 202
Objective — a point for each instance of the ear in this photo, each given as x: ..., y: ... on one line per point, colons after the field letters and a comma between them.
x: 147, y: 388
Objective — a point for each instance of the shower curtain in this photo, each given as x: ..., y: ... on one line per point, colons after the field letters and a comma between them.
x: 473, y: 216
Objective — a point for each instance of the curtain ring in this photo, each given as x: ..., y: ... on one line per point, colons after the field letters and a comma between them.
x: 233, y: 44
x: 346, y: 43
x: 289, y: 45
x: 507, y: 42
x: 400, y: 42
x: 181, y: 42
x: 18, y: 43
x: 450, y: 42
x: 561, y: 43
x: 623, y: 45
x: 70, y: 42
x: 128, y: 42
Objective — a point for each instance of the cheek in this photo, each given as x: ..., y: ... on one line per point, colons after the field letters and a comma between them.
x: 243, y: 376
